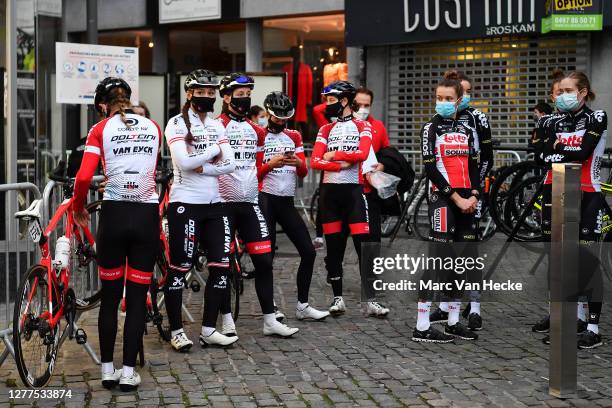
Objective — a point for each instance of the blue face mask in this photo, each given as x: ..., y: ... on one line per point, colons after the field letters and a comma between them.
x: 465, y: 102
x: 445, y: 109
x: 567, y: 102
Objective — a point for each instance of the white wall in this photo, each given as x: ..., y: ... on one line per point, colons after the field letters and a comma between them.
x: 267, y: 8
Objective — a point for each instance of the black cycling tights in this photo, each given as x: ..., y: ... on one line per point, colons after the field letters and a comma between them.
x: 133, y: 329
x: 282, y: 210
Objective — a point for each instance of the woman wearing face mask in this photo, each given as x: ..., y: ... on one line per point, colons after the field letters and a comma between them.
x: 258, y: 115
x: 479, y: 124
x: 278, y: 164
x: 200, y: 153
x: 340, y: 150
x: 451, y: 165
x: 240, y: 192
x: 578, y: 135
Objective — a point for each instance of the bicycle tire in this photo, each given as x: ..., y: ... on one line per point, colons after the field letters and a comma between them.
x: 236, y: 288
x: 388, y: 223
x: 314, y: 207
x: 420, y: 221
x: 514, y: 206
x: 29, y: 380
x: 156, y: 315
x: 92, y: 301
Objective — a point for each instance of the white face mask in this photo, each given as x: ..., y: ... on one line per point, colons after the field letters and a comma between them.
x: 263, y: 122
x: 363, y: 113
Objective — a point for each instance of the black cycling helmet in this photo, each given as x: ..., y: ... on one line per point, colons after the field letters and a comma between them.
x: 279, y: 105
x: 201, y: 78
x: 235, y: 80
x: 105, y: 86
x: 340, y: 89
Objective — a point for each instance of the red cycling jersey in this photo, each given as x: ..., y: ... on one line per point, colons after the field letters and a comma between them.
x: 380, y: 138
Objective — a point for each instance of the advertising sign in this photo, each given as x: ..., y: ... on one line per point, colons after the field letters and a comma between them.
x: 573, y: 15
x: 80, y: 67
x: 174, y: 11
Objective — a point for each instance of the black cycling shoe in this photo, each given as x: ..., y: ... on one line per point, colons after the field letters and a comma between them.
x: 582, y: 326
x: 474, y: 322
x: 466, y: 312
x: 438, y: 316
x: 543, y: 326
x: 460, y: 331
x: 546, y: 340
x: 580, y: 330
x: 431, y: 335
x: 589, y: 340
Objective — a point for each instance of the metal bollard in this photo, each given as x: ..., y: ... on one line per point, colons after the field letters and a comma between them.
x: 564, y: 279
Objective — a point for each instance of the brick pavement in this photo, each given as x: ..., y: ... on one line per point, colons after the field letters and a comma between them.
x: 348, y: 361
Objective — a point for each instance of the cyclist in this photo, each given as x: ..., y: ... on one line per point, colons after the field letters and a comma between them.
x: 340, y: 150
x: 240, y: 191
x: 278, y: 164
x: 479, y: 124
x: 451, y: 165
x: 200, y: 153
x: 578, y: 134
x: 128, y: 230
x: 538, y: 134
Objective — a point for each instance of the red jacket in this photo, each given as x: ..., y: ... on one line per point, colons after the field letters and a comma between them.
x: 318, y: 112
x: 304, y: 96
x: 380, y: 138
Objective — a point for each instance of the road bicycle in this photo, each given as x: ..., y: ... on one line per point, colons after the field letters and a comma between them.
x: 46, y: 295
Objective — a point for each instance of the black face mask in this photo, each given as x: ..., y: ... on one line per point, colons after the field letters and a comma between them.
x: 275, y: 127
x: 203, y: 103
x: 334, y: 110
x: 241, y: 105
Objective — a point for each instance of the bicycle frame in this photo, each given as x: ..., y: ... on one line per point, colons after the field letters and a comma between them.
x: 47, y: 262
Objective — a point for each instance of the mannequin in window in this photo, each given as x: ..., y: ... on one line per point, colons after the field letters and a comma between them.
x: 299, y: 89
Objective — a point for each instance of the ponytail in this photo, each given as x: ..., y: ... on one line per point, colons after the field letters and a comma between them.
x: 118, y: 100
x: 189, y: 139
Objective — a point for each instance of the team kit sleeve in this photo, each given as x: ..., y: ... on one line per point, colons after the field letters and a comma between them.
x: 185, y: 160
x: 89, y: 164
x: 301, y: 170
x: 486, y: 146
x: 365, y: 142
x: 595, y: 128
x: 428, y: 146
x: 474, y: 167
x: 319, y: 149
x: 226, y: 163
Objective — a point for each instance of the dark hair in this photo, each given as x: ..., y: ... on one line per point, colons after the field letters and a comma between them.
x: 460, y: 76
x: 146, y: 109
x: 556, y: 77
x: 185, y: 115
x: 366, y: 91
x: 451, y: 80
x: 544, y: 107
x: 583, y: 83
x: 118, y: 99
x: 255, y: 111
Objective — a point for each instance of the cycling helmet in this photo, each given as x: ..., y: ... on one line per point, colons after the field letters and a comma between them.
x: 105, y: 86
x: 340, y: 89
x: 279, y: 105
x: 200, y: 78
x: 235, y: 80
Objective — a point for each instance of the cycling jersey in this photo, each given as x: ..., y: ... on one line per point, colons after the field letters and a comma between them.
x: 380, y: 138
x: 351, y: 139
x: 129, y: 157
x: 188, y: 185
x: 246, y: 139
x: 582, y: 138
x: 479, y: 124
x: 449, y: 157
x: 280, y: 181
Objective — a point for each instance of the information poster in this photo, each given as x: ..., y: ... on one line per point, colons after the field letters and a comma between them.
x: 173, y: 11
x: 80, y: 67
x: 573, y: 15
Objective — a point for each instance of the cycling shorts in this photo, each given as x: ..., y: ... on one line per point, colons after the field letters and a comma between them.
x: 344, y: 204
x: 447, y: 222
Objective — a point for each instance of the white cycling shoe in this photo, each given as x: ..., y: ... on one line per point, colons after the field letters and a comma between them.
x: 229, y: 329
x: 310, y: 313
x: 279, y: 329
x: 337, y: 307
x: 280, y: 316
x: 129, y: 383
x: 376, y: 309
x: 217, y: 339
x: 181, y: 343
x: 109, y: 380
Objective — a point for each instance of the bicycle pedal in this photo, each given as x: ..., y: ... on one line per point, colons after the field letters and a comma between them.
x: 195, y: 286
x: 81, y: 336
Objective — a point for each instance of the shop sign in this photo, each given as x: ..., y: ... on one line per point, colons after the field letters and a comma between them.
x: 573, y: 15
x: 175, y: 11
x: 410, y: 21
x: 80, y: 67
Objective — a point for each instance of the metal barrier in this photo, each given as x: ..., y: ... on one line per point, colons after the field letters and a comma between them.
x: 16, y: 255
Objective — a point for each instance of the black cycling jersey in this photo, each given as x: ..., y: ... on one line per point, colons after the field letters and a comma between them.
x: 478, y: 122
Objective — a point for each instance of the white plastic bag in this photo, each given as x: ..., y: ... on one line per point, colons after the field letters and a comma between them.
x: 384, y: 183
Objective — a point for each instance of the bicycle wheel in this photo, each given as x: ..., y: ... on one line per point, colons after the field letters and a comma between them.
x: 486, y: 226
x: 36, y: 344
x: 235, y: 288
x: 420, y: 219
x: 154, y: 314
x: 516, y: 203
x: 314, y: 207
x: 84, y: 268
x: 388, y: 223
